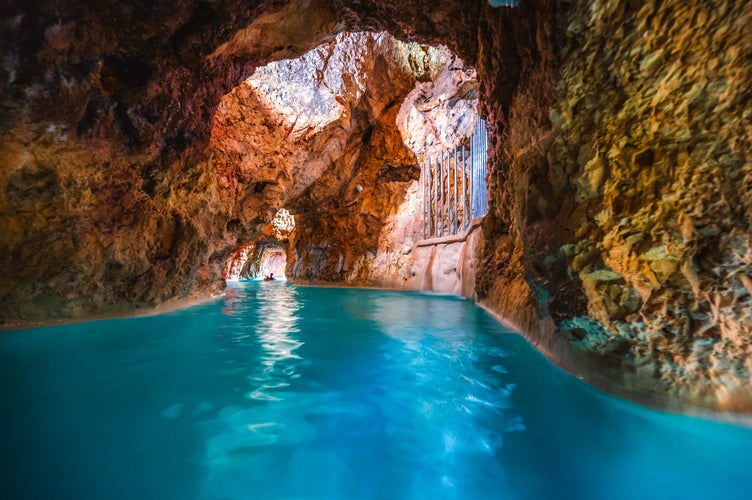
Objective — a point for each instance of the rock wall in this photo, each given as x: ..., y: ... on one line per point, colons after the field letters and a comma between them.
x: 621, y: 215
x: 109, y: 202
x: 663, y: 190
x: 318, y: 134
x: 369, y: 231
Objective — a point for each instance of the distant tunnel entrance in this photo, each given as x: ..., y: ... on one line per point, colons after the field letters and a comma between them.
x: 266, y: 255
x: 258, y: 261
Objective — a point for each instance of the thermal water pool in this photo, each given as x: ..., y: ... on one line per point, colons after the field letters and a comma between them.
x: 277, y: 391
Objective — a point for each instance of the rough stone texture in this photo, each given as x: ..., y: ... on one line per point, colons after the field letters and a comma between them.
x: 661, y: 134
x: 440, y: 114
x: 318, y: 134
x: 619, y: 171
x: 108, y: 203
x: 264, y: 254
x: 619, y: 194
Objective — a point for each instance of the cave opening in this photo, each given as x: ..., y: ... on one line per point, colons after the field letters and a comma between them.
x: 265, y: 257
x: 341, y: 136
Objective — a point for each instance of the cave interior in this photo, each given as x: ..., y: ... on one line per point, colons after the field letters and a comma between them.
x: 145, y: 145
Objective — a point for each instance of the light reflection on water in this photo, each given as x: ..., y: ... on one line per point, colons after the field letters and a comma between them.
x: 385, y: 378
x: 276, y: 329
x: 268, y: 327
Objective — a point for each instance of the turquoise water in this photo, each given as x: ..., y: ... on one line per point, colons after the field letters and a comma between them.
x: 283, y: 392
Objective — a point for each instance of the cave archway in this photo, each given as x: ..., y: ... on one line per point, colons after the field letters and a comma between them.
x: 337, y: 135
x: 257, y: 261
x: 266, y: 255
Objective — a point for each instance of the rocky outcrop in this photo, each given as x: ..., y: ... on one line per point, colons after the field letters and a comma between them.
x: 440, y: 114
x: 663, y: 236
x: 626, y: 226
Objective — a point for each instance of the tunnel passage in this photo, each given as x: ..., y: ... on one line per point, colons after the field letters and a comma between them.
x: 336, y: 136
x: 261, y: 260
x: 266, y: 256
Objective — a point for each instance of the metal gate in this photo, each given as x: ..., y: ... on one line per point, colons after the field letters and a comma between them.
x: 453, y: 185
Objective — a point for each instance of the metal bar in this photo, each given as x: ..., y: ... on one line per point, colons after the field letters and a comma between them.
x: 485, y: 174
x: 437, y: 201
x: 480, y: 169
x: 451, y: 175
x: 428, y: 205
x: 454, y: 205
x: 423, y: 196
x: 423, y: 175
x: 447, y: 200
x: 444, y: 212
x: 464, y: 189
x: 484, y: 150
x: 445, y: 193
x: 430, y: 198
x: 473, y: 152
x: 441, y: 195
x: 483, y: 147
x: 476, y: 166
x: 449, y: 192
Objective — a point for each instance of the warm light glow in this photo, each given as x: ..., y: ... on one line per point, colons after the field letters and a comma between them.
x: 283, y: 224
x: 265, y: 256
x: 273, y: 262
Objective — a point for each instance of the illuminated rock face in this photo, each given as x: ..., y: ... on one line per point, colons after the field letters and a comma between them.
x: 619, y: 221
x: 663, y: 191
x: 318, y: 134
x: 440, y: 114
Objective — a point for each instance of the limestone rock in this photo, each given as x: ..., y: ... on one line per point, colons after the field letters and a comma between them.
x: 318, y: 134
x: 643, y: 156
x: 440, y: 114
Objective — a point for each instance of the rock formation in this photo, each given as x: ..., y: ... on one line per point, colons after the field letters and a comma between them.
x: 628, y: 178
x: 619, y: 230
x: 318, y: 135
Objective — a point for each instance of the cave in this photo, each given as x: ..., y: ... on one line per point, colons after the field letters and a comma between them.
x: 158, y: 159
x: 355, y: 136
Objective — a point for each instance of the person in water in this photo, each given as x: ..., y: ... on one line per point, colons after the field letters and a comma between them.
x: 270, y: 277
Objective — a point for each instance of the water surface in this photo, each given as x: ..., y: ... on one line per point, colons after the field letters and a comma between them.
x: 283, y: 392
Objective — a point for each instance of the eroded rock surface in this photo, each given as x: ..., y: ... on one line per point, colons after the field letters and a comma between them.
x: 440, y: 114
x: 664, y: 252
x: 623, y: 211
